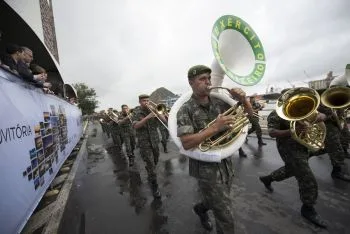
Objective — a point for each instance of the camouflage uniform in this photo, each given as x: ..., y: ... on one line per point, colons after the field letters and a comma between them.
x: 214, y: 179
x: 148, y: 141
x: 345, y: 138
x: 127, y: 134
x: 165, y: 134
x: 115, y: 131
x: 255, y: 123
x: 104, y: 126
x: 295, y: 157
x: 333, y: 144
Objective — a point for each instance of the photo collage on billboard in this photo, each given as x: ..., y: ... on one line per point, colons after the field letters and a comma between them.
x: 47, y: 139
x: 62, y: 128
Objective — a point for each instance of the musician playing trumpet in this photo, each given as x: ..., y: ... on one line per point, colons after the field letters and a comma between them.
x: 214, y: 179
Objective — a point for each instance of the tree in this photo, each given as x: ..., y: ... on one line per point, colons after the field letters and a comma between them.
x: 86, y: 98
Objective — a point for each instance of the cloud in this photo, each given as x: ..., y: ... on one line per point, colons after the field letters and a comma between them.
x: 124, y: 48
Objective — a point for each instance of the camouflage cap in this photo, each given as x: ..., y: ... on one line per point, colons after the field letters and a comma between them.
x: 198, y: 70
x: 142, y: 96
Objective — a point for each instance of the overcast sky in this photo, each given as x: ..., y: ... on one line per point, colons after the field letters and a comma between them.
x: 125, y: 48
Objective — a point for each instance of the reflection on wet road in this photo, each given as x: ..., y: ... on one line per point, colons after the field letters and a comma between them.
x: 108, y: 196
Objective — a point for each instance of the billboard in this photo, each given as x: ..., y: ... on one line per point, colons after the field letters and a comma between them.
x: 37, y: 134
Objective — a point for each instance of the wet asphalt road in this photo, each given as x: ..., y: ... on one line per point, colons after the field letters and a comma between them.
x: 109, y: 197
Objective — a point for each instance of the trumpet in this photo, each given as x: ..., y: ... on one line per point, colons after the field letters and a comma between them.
x: 158, y: 109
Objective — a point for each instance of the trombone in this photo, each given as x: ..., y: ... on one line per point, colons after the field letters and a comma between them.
x: 130, y: 114
x: 158, y: 109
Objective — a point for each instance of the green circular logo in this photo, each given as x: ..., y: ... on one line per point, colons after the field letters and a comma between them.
x: 232, y: 22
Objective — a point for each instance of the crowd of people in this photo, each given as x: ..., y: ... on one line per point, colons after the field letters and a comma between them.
x: 19, y: 61
x: 215, y: 179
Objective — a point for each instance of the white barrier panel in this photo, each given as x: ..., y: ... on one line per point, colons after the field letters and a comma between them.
x: 37, y: 134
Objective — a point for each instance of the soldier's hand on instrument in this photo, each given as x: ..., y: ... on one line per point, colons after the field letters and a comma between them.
x: 222, y: 122
x: 150, y: 115
x: 320, y: 118
x: 238, y: 94
x: 301, y: 127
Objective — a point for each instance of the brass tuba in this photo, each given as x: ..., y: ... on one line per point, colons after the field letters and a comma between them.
x: 338, y: 99
x: 112, y: 115
x: 300, y: 104
x: 239, y: 54
x: 230, y: 135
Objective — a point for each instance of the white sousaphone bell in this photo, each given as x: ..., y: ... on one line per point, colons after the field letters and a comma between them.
x: 240, y: 55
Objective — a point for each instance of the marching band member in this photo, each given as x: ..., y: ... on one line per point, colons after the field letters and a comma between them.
x: 115, y: 131
x: 333, y: 145
x: 295, y: 157
x: 146, y: 124
x: 127, y: 133
x: 214, y: 179
x: 165, y: 135
x: 254, y: 120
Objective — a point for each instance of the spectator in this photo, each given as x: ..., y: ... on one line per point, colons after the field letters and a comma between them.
x: 36, y: 69
x: 13, y: 55
x: 23, y: 67
x: 72, y: 100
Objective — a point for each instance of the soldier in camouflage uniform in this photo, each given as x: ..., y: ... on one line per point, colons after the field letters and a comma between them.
x: 295, y: 157
x: 254, y: 120
x: 103, y: 122
x: 345, y: 139
x: 214, y: 179
x: 146, y: 124
x: 127, y: 133
x: 165, y: 134
x: 115, y: 132
x: 333, y: 144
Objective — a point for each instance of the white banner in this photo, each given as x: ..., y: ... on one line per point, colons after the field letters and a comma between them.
x: 37, y: 134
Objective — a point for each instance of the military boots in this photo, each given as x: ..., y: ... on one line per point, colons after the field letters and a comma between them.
x: 338, y: 174
x: 199, y: 210
x: 155, y: 190
x: 165, y: 147
x: 266, y: 180
x: 310, y: 214
x: 260, y: 141
x: 242, y: 153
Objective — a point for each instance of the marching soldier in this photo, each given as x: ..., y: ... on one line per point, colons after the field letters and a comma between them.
x: 115, y: 131
x: 165, y: 135
x: 254, y: 120
x: 127, y: 133
x: 333, y: 144
x: 214, y: 179
x: 103, y: 122
x: 345, y: 139
x: 295, y: 157
x: 146, y: 123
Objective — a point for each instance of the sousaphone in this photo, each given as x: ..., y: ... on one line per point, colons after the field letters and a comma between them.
x: 240, y: 55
